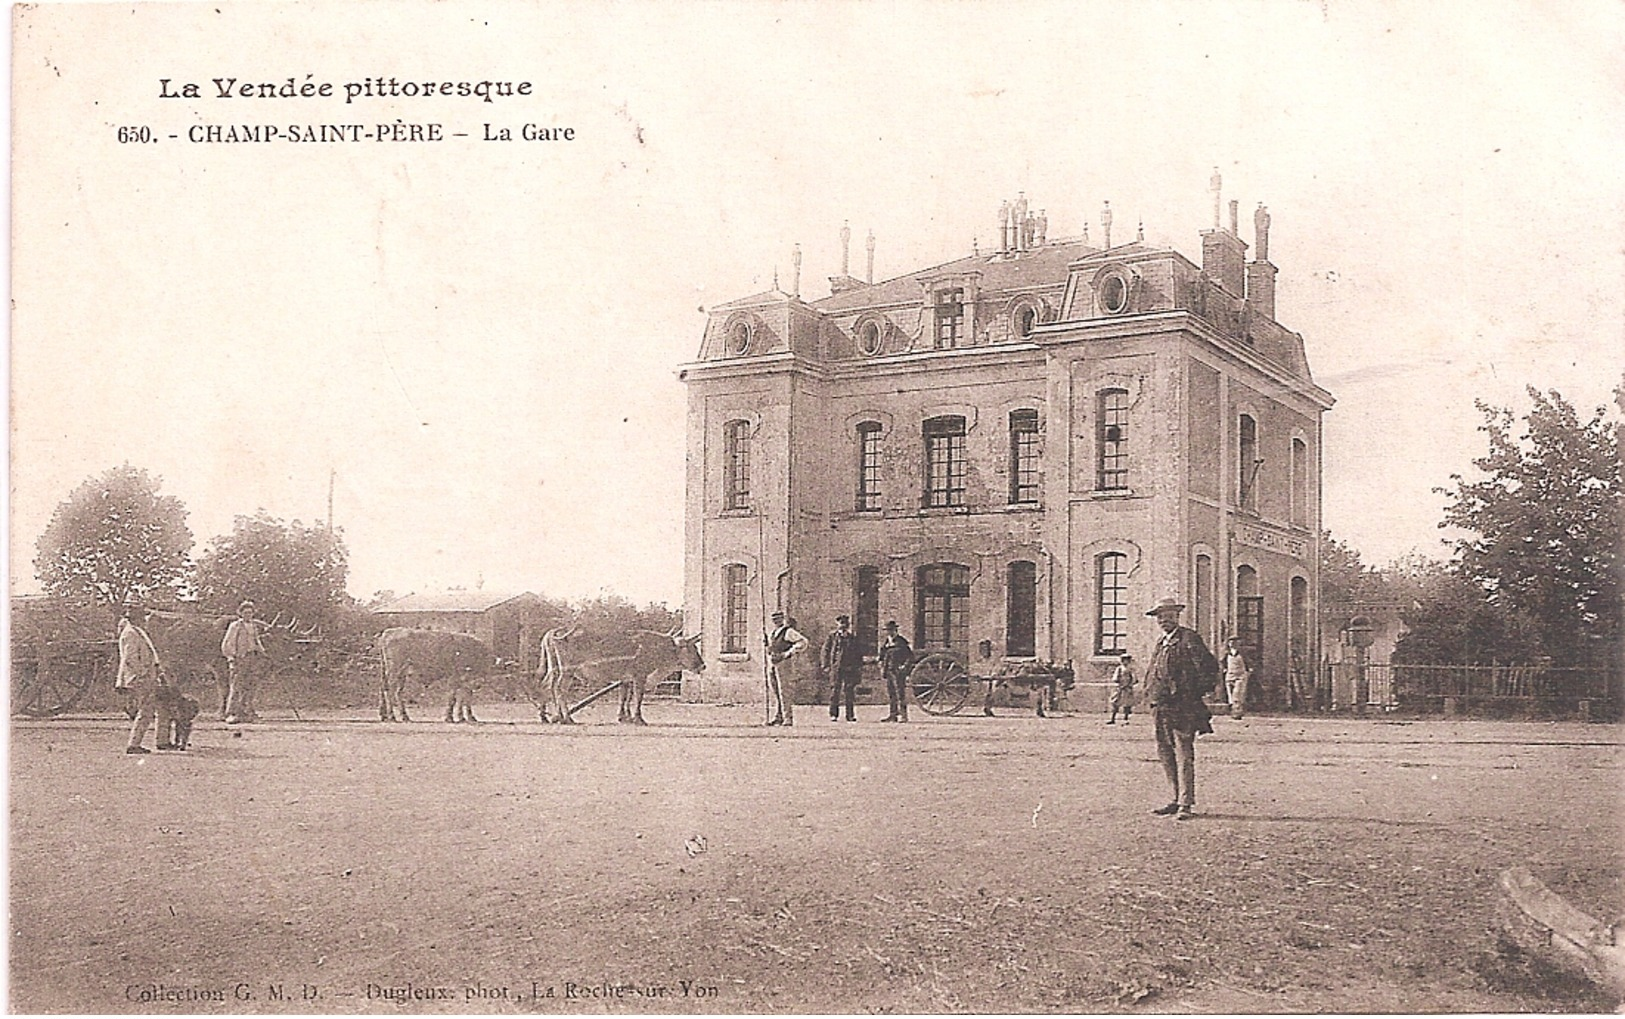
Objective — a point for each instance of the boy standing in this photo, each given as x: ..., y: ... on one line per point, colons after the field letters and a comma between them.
x: 1123, y: 689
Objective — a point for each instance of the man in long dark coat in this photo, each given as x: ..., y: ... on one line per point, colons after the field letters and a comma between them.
x: 1181, y: 673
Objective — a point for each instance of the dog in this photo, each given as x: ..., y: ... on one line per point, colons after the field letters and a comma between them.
x: 182, y: 711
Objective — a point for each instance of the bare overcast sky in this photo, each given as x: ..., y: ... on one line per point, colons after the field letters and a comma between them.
x: 482, y: 338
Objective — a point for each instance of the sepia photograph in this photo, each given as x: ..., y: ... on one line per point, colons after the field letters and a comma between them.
x: 481, y: 470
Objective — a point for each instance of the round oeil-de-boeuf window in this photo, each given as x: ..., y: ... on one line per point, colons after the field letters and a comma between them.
x: 1114, y: 294
x: 738, y: 337
x: 869, y: 338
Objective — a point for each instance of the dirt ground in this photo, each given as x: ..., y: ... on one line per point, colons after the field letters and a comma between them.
x: 705, y: 864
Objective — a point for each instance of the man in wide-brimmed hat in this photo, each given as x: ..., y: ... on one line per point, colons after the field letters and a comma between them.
x: 1181, y: 673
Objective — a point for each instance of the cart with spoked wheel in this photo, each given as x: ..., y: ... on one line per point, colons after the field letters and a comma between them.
x: 942, y: 682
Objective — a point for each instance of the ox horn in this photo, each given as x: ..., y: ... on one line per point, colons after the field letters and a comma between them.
x: 275, y: 620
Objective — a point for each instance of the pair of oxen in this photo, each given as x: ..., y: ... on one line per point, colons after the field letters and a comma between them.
x: 462, y: 662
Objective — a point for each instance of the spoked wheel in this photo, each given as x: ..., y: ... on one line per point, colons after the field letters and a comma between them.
x: 48, y: 686
x: 940, y: 683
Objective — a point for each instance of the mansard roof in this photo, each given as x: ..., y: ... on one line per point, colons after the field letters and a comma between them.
x: 1046, y: 264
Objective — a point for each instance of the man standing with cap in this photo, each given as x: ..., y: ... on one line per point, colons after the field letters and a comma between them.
x: 783, y: 643
x: 842, y: 660
x: 895, y: 658
x: 1181, y: 673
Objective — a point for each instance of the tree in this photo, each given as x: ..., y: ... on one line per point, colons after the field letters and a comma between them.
x: 608, y: 621
x: 114, y: 539
x: 1344, y: 579
x: 1543, y: 525
x: 285, y: 568
x: 1451, y: 622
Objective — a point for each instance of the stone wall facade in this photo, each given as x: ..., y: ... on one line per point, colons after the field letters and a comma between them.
x: 1012, y: 455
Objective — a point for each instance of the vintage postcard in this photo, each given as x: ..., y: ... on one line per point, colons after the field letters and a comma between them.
x: 758, y: 507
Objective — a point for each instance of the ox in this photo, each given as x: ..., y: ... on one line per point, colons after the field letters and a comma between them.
x: 658, y: 655
x: 432, y: 655
x: 188, y: 647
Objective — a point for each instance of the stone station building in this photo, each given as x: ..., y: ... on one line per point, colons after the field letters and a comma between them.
x: 1013, y: 454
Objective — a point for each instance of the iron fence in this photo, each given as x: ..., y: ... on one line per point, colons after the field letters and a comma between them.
x: 1450, y: 688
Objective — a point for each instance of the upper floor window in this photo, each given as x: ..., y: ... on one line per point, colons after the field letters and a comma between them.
x: 868, y: 466
x: 1024, y: 457
x: 736, y: 465
x: 1111, y: 596
x: 1300, y: 482
x: 1021, y: 610
x: 735, y: 609
x: 1113, y: 439
x: 950, y: 308
x: 1248, y: 462
x: 945, y: 461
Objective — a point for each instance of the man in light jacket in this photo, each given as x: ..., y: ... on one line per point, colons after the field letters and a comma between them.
x: 245, y: 657
x: 139, y: 675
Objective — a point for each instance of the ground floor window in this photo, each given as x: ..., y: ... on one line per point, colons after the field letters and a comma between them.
x: 1111, y: 590
x: 866, y: 609
x: 1249, y: 617
x: 735, y: 609
x: 1021, y: 610
x: 942, y: 608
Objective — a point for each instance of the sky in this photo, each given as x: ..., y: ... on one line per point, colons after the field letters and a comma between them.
x: 479, y: 341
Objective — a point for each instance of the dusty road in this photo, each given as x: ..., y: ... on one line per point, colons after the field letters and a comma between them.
x: 705, y: 865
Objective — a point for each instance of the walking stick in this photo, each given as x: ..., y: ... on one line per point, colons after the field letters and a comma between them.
x: 761, y: 598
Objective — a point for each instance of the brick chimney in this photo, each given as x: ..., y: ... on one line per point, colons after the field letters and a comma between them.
x: 1260, y: 272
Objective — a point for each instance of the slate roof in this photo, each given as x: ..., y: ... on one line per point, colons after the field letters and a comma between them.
x: 1046, y: 264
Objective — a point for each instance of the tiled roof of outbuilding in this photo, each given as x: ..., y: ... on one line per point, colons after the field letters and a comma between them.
x: 452, y: 601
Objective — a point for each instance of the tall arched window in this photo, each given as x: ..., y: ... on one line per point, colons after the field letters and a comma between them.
x: 942, y: 608
x: 735, y: 609
x: 1024, y: 457
x: 1112, y: 439
x: 866, y: 608
x: 1021, y: 610
x: 1248, y: 462
x: 736, y: 465
x: 1202, y: 616
x: 1298, y: 643
x: 1111, y: 598
x: 868, y: 466
x: 1250, y: 617
x: 1300, y: 482
x: 945, y: 462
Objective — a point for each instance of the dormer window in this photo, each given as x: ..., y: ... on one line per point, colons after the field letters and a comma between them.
x: 869, y: 338
x: 1114, y: 292
x: 737, y: 337
x: 950, y: 309
x: 1025, y: 318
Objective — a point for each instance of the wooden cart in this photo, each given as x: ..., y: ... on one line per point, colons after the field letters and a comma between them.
x: 942, y: 682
